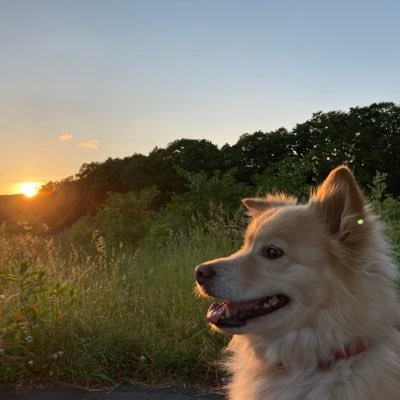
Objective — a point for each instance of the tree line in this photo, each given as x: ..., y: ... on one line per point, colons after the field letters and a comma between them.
x: 367, y: 139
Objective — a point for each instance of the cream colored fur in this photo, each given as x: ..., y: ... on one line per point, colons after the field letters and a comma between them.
x: 337, y: 271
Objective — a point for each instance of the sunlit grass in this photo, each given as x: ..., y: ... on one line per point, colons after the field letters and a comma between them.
x: 104, y: 318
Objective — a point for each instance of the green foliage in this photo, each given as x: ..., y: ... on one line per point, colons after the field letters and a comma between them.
x: 253, y: 153
x: 388, y: 208
x: 33, y: 317
x: 220, y: 192
x: 287, y: 176
x: 377, y: 191
x: 390, y: 212
x: 219, y: 189
x: 122, y: 220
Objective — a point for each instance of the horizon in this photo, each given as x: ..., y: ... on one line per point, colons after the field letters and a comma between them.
x: 84, y: 82
x: 31, y: 188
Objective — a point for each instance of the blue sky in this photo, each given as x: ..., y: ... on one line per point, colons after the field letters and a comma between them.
x: 118, y: 77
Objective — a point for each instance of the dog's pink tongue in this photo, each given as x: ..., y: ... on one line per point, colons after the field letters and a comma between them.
x: 215, y: 312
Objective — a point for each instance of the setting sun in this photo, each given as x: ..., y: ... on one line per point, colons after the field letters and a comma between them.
x: 29, y: 189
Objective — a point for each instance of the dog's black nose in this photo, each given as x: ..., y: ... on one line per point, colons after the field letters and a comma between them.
x: 204, y: 272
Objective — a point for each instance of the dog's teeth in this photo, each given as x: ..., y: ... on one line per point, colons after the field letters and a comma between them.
x: 273, y: 301
x: 266, y: 305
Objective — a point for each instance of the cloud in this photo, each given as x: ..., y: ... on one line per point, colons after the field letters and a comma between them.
x: 64, y: 137
x: 90, y: 144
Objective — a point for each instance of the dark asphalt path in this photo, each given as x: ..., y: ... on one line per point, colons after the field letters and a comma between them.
x: 134, y: 392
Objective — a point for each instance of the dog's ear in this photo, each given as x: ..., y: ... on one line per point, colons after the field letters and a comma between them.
x: 340, y: 202
x: 256, y: 206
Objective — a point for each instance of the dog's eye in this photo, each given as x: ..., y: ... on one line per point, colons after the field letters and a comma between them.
x: 272, y: 252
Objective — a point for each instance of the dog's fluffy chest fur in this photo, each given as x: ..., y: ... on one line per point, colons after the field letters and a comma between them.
x: 371, y: 375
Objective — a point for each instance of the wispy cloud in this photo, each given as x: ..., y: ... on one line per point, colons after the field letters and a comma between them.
x: 90, y: 144
x: 64, y: 137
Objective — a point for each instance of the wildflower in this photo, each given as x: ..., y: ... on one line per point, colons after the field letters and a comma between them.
x: 55, y: 356
x: 30, y: 363
x: 29, y: 339
x: 142, y: 359
x: 60, y: 353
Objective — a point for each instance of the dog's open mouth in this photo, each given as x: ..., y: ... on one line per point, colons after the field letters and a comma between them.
x: 231, y: 314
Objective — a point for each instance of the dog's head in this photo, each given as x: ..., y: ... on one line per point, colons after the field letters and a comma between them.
x: 298, y: 263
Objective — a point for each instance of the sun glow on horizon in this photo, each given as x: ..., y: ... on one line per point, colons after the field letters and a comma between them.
x: 29, y: 189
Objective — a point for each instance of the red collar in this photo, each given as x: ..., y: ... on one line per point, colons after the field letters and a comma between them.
x: 343, y: 354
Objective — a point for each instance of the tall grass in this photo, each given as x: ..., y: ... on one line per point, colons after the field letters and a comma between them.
x: 105, y: 316
x: 108, y: 316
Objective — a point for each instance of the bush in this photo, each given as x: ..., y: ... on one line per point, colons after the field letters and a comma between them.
x: 123, y: 220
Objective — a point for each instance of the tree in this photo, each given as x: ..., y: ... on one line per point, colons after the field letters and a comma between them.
x: 253, y: 153
x: 377, y: 143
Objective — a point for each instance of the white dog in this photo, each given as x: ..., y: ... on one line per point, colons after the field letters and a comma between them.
x: 310, y: 299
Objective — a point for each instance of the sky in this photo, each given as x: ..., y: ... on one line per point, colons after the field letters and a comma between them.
x: 84, y: 80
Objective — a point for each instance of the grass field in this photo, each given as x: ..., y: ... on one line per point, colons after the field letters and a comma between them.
x: 115, y: 315
x: 109, y: 316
